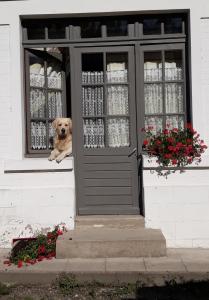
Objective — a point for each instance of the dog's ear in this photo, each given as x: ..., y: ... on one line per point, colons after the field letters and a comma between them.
x: 54, y: 123
x: 70, y: 124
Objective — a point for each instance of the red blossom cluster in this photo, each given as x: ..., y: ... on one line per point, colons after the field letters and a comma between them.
x: 43, y: 247
x: 174, y: 147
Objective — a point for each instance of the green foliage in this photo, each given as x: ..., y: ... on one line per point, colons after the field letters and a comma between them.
x: 30, y: 251
x: 67, y: 284
x: 4, y: 289
x: 174, y: 148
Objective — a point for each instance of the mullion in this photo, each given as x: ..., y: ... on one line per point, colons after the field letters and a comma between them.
x: 46, y: 104
x: 163, y: 88
x: 105, y: 99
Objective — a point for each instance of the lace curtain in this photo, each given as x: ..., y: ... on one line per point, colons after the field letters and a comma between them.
x: 153, y: 95
x: 116, y: 104
x: 38, y: 110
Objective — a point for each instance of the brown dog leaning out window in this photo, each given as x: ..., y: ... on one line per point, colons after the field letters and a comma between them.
x: 62, y: 139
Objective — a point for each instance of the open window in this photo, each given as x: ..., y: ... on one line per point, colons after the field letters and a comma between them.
x: 46, y: 95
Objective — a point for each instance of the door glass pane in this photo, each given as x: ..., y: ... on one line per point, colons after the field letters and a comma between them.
x: 117, y: 67
x: 117, y: 28
x: 92, y: 100
x: 155, y: 124
x: 93, y: 133
x: 174, y: 97
x: 92, y: 68
x: 175, y: 122
x: 153, y: 97
x: 173, y: 65
x: 152, y: 26
x: 37, y: 103
x: 152, y: 66
x: 173, y: 24
x: 118, y: 132
x: 117, y: 100
x: 36, y: 70
x: 38, y: 135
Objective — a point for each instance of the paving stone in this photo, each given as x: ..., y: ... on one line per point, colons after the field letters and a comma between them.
x: 164, y: 264
x: 124, y: 264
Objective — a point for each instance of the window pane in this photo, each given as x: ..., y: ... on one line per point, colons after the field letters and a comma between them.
x: 155, y: 124
x: 117, y: 67
x: 36, y: 31
x: 36, y: 70
x: 173, y: 24
x: 93, y: 133
x: 51, y: 135
x: 38, y: 135
x: 92, y: 101
x: 152, y: 66
x: 151, y: 26
x: 117, y: 28
x: 174, y: 97
x: 54, y: 104
x: 173, y: 65
x: 153, y: 97
x: 56, y: 30
x: 90, y: 29
x: 175, y: 122
x: 118, y: 132
x: 92, y: 68
x: 117, y: 100
x: 37, y: 103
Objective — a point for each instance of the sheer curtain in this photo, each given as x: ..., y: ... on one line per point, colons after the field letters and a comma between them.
x: 153, y: 95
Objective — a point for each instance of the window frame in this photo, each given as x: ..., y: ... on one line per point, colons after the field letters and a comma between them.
x: 163, y: 48
x: 29, y: 152
x: 136, y: 38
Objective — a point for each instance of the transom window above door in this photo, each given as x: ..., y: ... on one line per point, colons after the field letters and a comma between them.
x: 128, y: 27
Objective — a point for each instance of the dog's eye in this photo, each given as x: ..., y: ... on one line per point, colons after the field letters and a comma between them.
x: 66, y: 125
x: 60, y: 125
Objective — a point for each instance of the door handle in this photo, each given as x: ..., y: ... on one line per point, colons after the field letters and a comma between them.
x: 132, y: 152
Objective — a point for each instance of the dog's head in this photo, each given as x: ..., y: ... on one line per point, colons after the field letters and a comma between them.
x: 63, y: 127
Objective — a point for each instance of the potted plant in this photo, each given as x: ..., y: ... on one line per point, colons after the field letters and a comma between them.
x: 174, y: 148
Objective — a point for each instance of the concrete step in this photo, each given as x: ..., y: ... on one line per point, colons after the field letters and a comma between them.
x: 111, y: 242
x: 110, y: 221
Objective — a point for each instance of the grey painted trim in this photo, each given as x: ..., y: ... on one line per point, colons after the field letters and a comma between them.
x: 38, y: 171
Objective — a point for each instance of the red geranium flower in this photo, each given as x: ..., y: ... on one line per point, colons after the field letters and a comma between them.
x: 20, y: 264
x: 145, y: 142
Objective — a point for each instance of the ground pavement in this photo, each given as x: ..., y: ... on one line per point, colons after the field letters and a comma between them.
x: 179, y: 264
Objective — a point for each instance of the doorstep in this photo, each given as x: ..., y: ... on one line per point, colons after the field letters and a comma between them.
x: 179, y: 264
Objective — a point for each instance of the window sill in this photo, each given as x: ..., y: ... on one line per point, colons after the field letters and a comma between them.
x: 30, y: 165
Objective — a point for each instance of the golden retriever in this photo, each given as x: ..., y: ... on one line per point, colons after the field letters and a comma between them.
x: 62, y: 140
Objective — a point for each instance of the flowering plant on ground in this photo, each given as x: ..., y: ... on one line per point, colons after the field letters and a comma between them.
x: 31, y: 250
x: 174, y: 148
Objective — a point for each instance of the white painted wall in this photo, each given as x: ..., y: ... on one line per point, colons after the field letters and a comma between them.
x: 178, y: 205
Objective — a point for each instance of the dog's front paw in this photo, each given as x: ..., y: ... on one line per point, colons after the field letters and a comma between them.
x: 50, y: 158
x: 58, y: 160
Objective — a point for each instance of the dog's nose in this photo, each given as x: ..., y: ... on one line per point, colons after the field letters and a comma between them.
x: 63, y: 130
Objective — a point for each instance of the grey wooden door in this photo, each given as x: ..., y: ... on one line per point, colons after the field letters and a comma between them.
x: 105, y: 131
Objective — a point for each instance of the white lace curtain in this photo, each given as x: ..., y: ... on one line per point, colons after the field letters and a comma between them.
x: 117, y: 104
x: 153, y: 94
x: 38, y: 104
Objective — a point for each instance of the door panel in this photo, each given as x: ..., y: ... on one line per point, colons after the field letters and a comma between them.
x: 106, y: 176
